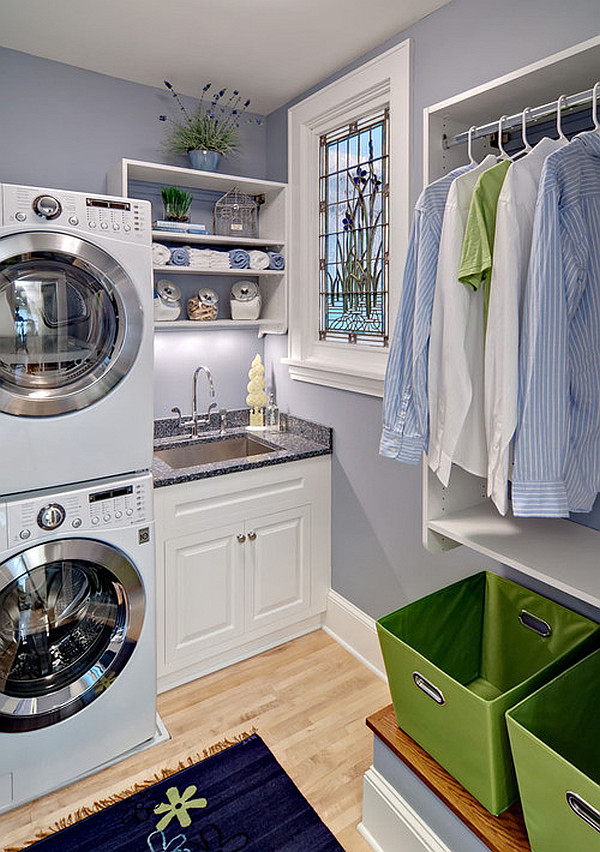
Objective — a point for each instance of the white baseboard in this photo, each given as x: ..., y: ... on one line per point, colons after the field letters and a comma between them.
x: 389, y: 823
x: 355, y: 631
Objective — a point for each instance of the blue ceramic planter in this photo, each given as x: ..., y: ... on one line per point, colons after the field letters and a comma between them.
x: 203, y: 159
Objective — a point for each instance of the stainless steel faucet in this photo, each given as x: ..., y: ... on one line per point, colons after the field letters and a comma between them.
x: 205, y: 420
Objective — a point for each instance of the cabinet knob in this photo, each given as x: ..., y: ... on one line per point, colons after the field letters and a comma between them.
x: 241, y: 538
x: 252, y: 535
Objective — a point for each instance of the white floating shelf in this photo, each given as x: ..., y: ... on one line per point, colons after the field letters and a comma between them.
x: 558, y: 552
x: 239, y: 273
x: 213, y: 325
x: 211, y: 181
x: 208, y: 239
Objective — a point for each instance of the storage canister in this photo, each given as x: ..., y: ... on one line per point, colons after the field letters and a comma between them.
x: 555, y: 740
x: 459, y: 658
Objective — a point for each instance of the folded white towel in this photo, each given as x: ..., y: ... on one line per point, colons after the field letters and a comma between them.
x: 259, y: 259
x: 206, y: 259
x: 201, y: 258
x: 161, y: 255
x: 220, y: 260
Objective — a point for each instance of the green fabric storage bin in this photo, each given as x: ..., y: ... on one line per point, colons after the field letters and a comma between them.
x: 555, y: 740
x: 459, y: 658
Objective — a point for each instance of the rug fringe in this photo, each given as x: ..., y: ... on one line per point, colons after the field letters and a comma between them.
x: 101, y: 804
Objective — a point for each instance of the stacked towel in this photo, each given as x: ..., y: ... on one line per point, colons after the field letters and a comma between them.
x: 207, y: 259
x: 180, y: 256
x: 258, y: 259
x: 161, y: 255
x: 276, y: 260
x: 239, y: 259
x: 220, y: 260
x: 200, y: 258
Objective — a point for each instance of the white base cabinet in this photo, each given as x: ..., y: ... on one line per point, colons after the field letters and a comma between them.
x: 243, y: 564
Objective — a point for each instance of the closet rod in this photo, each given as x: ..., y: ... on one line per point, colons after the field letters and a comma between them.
x: 543, y: 111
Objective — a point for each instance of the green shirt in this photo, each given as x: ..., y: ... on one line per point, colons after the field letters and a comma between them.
x: 475, y: 268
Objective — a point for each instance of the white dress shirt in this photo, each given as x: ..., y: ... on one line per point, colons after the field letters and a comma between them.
x: 512, y: 244
x: 457, y: 433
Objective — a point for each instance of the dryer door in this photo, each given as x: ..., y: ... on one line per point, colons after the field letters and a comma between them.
x: 70, y: 324
x: 71, y: 613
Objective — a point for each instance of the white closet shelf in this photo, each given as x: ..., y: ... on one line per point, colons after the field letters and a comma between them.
x: 213, y: 239
x: 557, y: 552
x: 240, y: 273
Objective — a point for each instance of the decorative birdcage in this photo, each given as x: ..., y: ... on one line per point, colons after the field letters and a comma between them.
x: 236, y: 215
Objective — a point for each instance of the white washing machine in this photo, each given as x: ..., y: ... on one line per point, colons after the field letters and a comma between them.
x: 77, y: 635
x: 75, y: 337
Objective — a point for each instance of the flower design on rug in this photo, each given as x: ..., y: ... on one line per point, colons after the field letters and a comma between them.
x: 158, y: 843
x: 178, y: 806
x: 212, y: 840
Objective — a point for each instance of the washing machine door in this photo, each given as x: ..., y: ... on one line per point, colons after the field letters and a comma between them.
x: 70, y: 323
x: 71, y: 613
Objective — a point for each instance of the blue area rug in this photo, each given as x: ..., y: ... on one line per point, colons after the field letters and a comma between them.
x: 238, y: 799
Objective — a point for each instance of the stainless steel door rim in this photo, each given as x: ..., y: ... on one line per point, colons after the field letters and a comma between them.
x: 36, y: 703
x: 105, y: 368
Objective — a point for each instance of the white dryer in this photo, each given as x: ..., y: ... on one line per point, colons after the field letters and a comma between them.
x: 75, y: 337
x: 77, y: 636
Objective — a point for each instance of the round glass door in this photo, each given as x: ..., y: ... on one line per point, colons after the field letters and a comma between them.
x: 70, y: 324
x: 71, y: 613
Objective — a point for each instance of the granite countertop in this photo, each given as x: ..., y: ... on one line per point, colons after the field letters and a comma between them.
x: 298, y: 439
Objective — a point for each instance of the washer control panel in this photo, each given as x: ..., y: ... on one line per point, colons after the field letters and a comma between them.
x: 114, y: 504
x: 121, y: 218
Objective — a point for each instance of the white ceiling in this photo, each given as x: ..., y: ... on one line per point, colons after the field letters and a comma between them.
x: 271, y: 50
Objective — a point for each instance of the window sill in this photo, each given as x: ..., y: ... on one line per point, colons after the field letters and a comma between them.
x: 336, y: 376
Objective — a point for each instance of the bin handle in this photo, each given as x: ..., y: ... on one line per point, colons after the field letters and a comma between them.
x: 429, y: 688
x: 535, y: 623
x: 584, y: 810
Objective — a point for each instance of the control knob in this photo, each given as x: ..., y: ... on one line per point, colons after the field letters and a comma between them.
x: 51, y: 516
x: 47, y: 206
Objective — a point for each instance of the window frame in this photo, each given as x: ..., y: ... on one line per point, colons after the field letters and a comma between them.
x: 383, y: 81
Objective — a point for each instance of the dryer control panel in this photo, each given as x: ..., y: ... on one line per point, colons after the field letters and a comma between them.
x: 120, y: 218
x: 111, y: 504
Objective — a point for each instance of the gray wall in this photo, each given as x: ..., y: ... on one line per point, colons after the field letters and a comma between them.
x: 378, y: 560
x: 64, y: 127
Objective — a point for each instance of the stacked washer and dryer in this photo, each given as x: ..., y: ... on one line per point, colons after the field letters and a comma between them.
x: 77, y: 635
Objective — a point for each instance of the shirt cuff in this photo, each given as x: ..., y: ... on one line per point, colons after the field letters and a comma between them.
x: 400, y: 447
x: 546, y: 499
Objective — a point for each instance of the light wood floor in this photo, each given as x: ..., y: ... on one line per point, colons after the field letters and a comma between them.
x: 307, y: 699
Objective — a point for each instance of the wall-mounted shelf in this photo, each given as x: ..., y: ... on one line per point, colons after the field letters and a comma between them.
x: 263, y: 326
x: 239, y: 273
x: 213, y: 239
x: 134, y: 178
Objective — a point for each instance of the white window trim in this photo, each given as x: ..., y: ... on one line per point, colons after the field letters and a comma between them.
x: 383, y: 80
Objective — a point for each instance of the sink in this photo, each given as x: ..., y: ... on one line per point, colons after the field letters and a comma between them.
x: 205, y: 452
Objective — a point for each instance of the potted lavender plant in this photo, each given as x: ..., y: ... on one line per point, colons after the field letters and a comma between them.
x: 211, y: 130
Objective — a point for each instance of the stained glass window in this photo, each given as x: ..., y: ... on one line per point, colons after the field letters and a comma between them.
x: 353, y: 232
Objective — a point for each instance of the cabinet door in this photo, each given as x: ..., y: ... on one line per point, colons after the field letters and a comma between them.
x: 277, y: 550
x: 204, y: 594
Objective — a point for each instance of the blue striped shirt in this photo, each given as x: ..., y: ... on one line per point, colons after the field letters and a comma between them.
x: 405, y: 431
x: 557, y: 444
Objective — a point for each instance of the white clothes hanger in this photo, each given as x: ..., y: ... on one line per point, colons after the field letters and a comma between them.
x: 527, y: 147
x: 503, y: 153
x: 595, y: 118
x: 472, y: 160
x: 559, y: 106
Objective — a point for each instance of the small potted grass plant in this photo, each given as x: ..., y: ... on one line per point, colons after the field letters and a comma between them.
x: 211, y: 130
x: 176, y: 204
